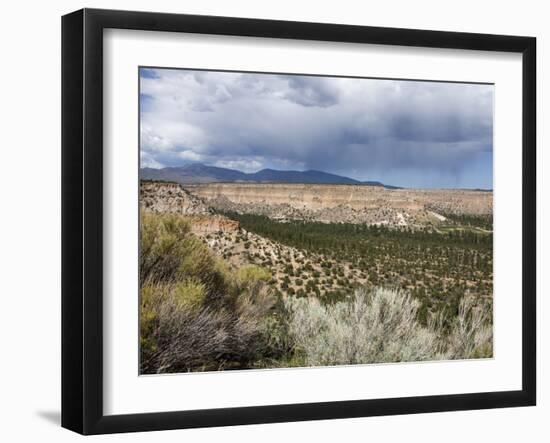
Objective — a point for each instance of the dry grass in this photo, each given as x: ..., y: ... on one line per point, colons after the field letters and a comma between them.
x: 179, y: 337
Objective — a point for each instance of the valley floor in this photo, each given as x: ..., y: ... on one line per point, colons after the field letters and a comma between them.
x: 329, y: 261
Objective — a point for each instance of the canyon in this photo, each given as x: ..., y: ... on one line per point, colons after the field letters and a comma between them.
x: 359, y: 204
x: 324, y: 239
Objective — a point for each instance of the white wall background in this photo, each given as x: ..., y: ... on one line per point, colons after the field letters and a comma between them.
x: 30, y: 222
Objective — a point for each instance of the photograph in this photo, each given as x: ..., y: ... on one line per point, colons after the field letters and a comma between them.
x: 291, y: 220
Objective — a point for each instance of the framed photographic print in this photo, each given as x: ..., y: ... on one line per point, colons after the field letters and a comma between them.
x: 268, y: 221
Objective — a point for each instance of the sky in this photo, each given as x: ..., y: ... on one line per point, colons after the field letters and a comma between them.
x: 399, y: 132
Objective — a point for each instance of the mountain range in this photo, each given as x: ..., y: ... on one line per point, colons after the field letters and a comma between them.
x: 200, y: 173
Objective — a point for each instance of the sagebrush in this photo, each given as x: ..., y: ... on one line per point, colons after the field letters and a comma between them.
x: 382, y: 326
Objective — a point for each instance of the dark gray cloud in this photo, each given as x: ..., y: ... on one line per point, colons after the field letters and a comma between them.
x: 363, y: 128
x: 311, y: 91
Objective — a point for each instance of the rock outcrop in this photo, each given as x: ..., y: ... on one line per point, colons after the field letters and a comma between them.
x: 163, y: 197
x: 213, y: 224
x: 171, y: 198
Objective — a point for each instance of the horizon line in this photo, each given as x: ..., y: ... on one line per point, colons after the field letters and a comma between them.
x: 359, y: 182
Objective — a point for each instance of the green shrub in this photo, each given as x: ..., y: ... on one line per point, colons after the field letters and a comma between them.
x: 190, y: 293
x: 161, y: 246
x: 195, y: 314
x: 252, y: 274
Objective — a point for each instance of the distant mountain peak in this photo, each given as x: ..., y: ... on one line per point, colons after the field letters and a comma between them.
x: 197, y: 172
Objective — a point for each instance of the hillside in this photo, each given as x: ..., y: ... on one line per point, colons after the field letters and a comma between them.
x: 170, y: 198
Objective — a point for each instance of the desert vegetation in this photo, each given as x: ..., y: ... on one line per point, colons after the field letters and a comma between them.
x: 382, y: 326
x: 195, y: 313
x: 437, y: 267
x: 283, y: 295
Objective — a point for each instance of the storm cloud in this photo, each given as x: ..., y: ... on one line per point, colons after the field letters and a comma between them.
x: 407, y: 133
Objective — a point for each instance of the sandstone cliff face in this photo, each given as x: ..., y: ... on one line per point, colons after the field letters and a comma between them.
x: 213, y: 224
x: 372, y: 205
x: 344, y: 203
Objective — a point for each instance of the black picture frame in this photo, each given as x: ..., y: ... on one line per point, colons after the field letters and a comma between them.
x: 82, y: 218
